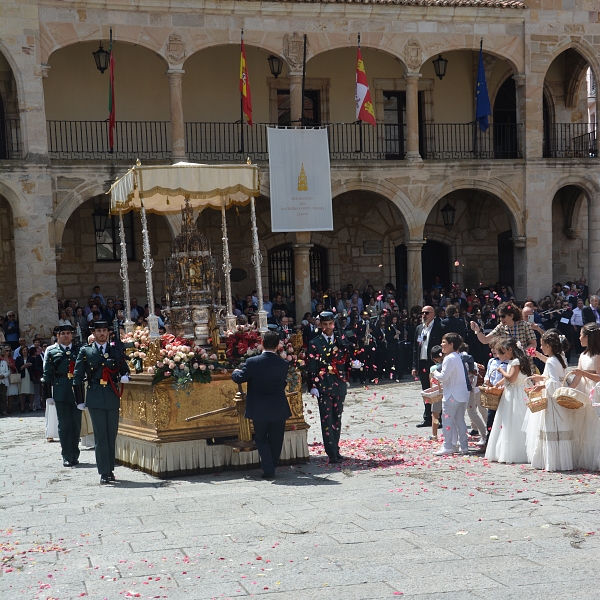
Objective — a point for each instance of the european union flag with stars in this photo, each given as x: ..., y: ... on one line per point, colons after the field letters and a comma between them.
x: 482, y: 99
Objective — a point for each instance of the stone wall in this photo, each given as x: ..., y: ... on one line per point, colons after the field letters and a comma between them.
x: 78, y: 271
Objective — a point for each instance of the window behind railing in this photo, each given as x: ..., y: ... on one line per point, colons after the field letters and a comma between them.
x: 570, y: 140
x: 10, y: 139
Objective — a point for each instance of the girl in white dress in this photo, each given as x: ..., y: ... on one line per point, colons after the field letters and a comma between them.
x: 550, y: 431
x: 507, y: 442
x: 586, y: 443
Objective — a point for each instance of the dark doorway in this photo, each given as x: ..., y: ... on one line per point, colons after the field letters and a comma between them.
x: 435, y: 259
x: 394, y: 119
x: 281, y: 269
x: 547, y: 139
x: 505, y: 121
x: 506, y: 258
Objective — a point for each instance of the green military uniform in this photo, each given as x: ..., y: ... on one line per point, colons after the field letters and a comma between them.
x: 328, y: 364
x: 59, y: 362
x: 102, y: 368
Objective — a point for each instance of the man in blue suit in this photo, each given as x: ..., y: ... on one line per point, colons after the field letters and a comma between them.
x: 266, y: 402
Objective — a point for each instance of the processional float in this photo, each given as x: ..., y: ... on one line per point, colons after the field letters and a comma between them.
x: 156, y: 431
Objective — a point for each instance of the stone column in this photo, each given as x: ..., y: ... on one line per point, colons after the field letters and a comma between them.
x: 295, y: 98
x: 520, y: 262
x: 302, y: 273
x: 412, y: 117
x: 414, y: 272
x: 530, y: 110
x: 35, y: 255
x: 177, y: 125
x: 593, y: 274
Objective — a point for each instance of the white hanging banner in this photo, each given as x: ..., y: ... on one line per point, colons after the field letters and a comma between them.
x: 300, y: 180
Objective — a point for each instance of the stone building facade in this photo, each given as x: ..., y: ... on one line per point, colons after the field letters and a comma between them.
x: 525, y: 195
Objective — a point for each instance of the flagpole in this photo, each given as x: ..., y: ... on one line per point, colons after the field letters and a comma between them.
x: 110, y: 94
x: 360, y: 130
x: 303, y: 84
x: 242, y: 108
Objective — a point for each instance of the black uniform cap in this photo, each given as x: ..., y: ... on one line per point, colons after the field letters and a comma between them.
x: 326, y: 316
x: 66, y: 328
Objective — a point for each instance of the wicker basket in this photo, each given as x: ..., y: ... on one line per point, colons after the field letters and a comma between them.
x: 568, y: 397
x: 432, y: 395
x: 490, y: 396
x: 537, y: 399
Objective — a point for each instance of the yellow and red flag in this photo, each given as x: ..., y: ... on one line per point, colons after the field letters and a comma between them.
x: 245, y: 86
x: 364, y: 107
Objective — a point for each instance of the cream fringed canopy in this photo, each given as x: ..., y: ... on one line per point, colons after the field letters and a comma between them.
x: 164, y: 188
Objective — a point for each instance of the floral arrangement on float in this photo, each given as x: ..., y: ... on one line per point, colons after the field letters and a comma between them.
x: 137, y: 344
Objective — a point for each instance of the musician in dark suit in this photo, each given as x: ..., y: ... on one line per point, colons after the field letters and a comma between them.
x: 591, y: 313
x: 266, y: 402
x: 427, y: 335
x: 453, y: 324
x: 104, y: 366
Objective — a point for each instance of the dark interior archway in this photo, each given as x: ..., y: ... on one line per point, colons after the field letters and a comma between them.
x: 435, y: 259
x: 505, y: 119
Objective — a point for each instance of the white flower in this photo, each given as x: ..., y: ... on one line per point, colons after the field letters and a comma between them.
x: 519, y: 346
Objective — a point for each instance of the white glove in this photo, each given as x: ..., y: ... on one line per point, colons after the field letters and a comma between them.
x: 50, y: 401
x: 315, y: 392
x: 124, y: 378
x: 81, y: 406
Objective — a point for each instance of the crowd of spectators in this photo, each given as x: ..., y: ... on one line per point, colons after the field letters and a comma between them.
x: 377, y: 322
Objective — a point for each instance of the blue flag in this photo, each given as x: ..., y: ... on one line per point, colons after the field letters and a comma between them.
x: 482, y: 99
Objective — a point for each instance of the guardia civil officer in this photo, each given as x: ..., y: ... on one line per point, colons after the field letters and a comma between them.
x: 59, y: 365
x: 328, y: 370
x: 103, y: 365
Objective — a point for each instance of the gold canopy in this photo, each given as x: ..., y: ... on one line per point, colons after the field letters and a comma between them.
x: 164, y: 188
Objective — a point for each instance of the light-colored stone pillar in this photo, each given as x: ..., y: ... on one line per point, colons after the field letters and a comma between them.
x: 35, y: 263
x: 530, y: 102
x: 520, y: 267
x: 302, y: 273
x: 295, y: 98
x: 593, y: 275
x: 177, y: 125
x: 414, y: 272
x: 412, y: 117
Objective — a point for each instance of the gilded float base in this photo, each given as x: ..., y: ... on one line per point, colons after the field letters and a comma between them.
x: 194, y: 457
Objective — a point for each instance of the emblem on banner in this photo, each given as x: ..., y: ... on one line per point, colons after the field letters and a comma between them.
x: 302, y: 180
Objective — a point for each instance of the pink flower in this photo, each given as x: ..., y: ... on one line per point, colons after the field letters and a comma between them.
x: 151, y: 370
x: 289, y: 358
x: 203, y: 367
x: 211, y: 368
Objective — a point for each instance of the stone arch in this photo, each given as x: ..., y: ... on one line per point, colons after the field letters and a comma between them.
x: 385, y: 189
x: 587, y: 188
x: 72, y: 202
x: 320, y: 43
x: 507, y: 74
x: 514, y: 60
x: 16, y: 202
x: 69, y: 34
x: 581, y: 46
x: 495, y: 187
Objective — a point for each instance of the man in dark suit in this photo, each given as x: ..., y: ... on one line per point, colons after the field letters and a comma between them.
x: 452, y: 324
x: 591, y: 313
x: 266, y: 402
x: 427, y: 335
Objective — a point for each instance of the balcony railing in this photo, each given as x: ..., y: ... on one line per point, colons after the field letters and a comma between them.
x: 10, y: 139
x: 570, y: 140
x: 205, y: 142
x: 449, y: 141
x: 88, y: 140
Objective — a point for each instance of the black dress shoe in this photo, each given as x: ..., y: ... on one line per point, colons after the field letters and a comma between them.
x: 341, y: 457
x: 111, y: 476
x: 67, y: 463
x: 104, y: 479
x: 424, y: 424
x: 333, y: 460
x: 268, y: 475
x: 74, y: 462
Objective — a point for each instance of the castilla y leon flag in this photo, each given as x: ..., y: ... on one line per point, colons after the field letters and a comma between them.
x: 112, y: 115
x: 245, y: 86
x: 364, y: 106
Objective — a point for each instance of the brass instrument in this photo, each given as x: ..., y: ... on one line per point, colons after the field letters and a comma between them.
x: 367, y: 339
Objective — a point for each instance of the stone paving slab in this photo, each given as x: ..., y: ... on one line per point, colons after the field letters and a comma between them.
x: 391, y: 521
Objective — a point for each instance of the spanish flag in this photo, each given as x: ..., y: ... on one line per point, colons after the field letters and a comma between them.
x: 364, y: 107
x: 245, y: 86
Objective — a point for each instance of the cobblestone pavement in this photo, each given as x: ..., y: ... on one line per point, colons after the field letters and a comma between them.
x: 391, y: 521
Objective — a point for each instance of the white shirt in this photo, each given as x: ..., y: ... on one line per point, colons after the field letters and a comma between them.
x: 424, y: 337
x: 101, y: 347
x: 452, y: 376
x: 577, y: 318
x: 4, y: 370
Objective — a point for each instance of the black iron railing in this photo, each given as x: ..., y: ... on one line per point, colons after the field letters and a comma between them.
x: 448, y: 141
x: 225, y: 141
x: 10, y: 139
x: 347, y: 141
x: 88, y: 140
x: 570, y: 140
